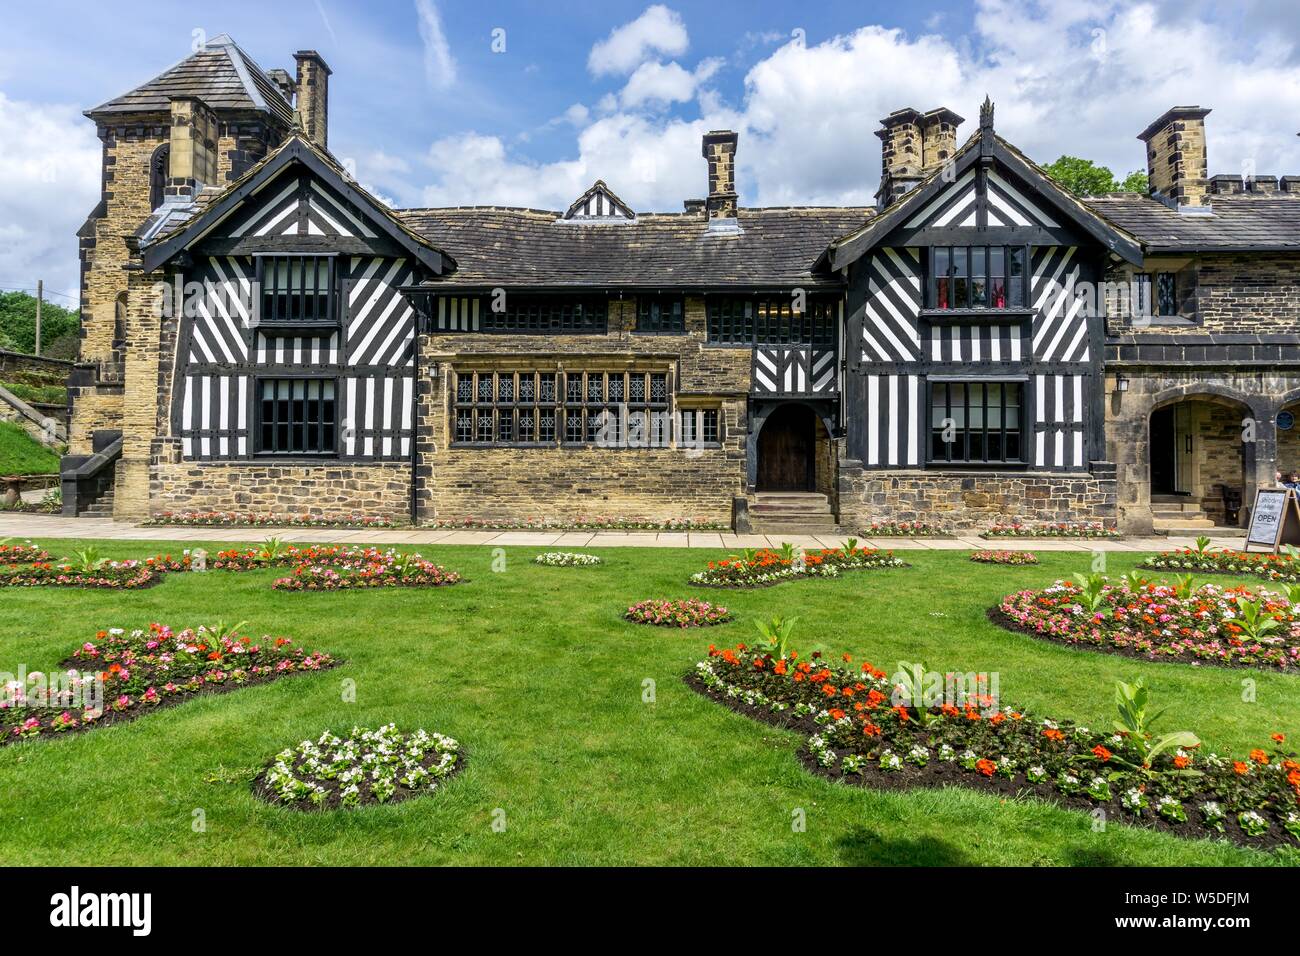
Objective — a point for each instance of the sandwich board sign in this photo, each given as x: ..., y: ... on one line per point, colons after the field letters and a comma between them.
x: 1275, y: 519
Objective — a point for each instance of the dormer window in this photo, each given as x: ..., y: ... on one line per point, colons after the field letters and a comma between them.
x: 297, y: 291
x: 977, y: 277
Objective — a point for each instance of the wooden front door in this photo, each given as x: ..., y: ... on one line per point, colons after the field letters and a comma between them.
x: 786, y: 447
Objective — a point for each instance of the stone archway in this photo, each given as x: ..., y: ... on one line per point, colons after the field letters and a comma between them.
x: 1201, y: 459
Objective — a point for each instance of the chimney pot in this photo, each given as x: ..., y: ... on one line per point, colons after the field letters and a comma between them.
x: 312, y: 96
x: 912, y: 146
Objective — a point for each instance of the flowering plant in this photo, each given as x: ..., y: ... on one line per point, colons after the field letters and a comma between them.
x: 1004, y: 557
x: 388, y: 570
x: 261, y: 519
x: 866, y: 727
x: 1060, y: 529
x: 566, y: 559
x: 765, y: 566
x: 1273, y: 567
x: 142, y: 669
x: 902, y: 529
x: 24, y: 553
x: 1210, y: 624
x: 365, y: 767
x: 689, y: 613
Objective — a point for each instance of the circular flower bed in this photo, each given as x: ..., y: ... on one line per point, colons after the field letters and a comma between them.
x: 866, y: 727
x: 1273, y: 567
x: 764, y: 566
x: 1229, y: 627
x: 365, y: 767
x: 689, y: 613
x: 1004, y: 557
x: 566, y: 559
x: 121, y: 675
x: 408, y: 571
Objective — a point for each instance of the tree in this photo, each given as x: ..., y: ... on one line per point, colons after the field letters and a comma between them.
x: 1083, y: 177
x: 18, y: 323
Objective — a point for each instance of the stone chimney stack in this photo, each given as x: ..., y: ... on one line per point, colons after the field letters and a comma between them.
x: 283, y: 81
x: 912, y: 146
x: 938, y: 137
x: 313, y: 96
x: 719, y: 148
x: 192, y: 154
x: 1176, y: 160
x: 901, y: 154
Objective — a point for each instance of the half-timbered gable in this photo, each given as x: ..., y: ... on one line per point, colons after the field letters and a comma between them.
x: 295, y: 340
x: 975, y: 342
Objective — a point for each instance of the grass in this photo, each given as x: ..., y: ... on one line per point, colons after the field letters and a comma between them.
x: 20, y: 454
x: 47, y: 394
x: 534, y: 671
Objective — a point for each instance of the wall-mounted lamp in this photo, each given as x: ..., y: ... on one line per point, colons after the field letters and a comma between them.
x: 1121, y: 383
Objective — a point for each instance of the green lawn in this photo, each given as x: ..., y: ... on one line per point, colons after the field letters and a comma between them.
x: 533, y: 670
x: 20, y: 454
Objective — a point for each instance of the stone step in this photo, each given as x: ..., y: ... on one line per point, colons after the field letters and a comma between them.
x: 791, y: 508
x: 1179, y: 525
x: 1164, y: 515
x: 812, y: 524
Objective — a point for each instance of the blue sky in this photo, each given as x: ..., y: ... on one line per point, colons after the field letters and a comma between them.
x: 430, y: 111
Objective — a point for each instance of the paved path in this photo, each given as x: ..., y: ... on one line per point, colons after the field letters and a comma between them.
x: 106, y: 529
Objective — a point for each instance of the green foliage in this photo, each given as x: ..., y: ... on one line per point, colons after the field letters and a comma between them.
x: 1091, y: 588
x: 1131, y: 701
x: 21, y: 454
x: 1083, y: 177
x: 86, y: 559
x: 774, y: 635
x: 1253, y: 621
x: 18, y: 324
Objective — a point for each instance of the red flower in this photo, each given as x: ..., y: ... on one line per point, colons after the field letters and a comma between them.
x: 1102, y: 753
x: 1051, y: 733
x: 986, y: 767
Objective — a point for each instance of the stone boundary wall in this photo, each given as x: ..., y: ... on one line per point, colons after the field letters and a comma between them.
x: 963, y: 501
x: 371, y: 489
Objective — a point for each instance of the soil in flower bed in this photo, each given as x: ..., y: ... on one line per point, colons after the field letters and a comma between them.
x: 691, y: 612
x: 857, y: 734
x: 365, y: 768
x: 765, y: 567
x: 232, y: 519
x: 1271, y: 567
x: 1004, y: 557
x: 147, y: 670
x: 1058, y: 530
x: 1161, y: 622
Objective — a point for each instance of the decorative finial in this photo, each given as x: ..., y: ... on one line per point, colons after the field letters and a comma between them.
x: 986, y: 114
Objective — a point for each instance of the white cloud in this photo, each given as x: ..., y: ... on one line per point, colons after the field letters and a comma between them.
x: 439, y: 65
x: 1065, y: 79
x: 655, y: 83
x: 657, y: 30
x: 49, y: 182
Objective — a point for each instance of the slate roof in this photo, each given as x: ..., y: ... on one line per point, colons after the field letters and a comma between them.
x: 1239, y: 223
x: 221, y: 74
x: 777, y: 247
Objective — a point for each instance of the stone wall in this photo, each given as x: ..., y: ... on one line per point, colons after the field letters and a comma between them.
x: 1248, y: 293
x: 974, y: 500
x: 656, y: 484
x: 321, y: 488
x: 1254, y: 394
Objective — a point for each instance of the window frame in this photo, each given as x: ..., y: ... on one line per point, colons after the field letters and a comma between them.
x: 599, y: 305
x: 258, y: 418
x: 1010, y: 281
x: 1021, y: 431
x: 574, y: 401
x: 644, y: 305
x: 332, y: 317
x: 759, y: 321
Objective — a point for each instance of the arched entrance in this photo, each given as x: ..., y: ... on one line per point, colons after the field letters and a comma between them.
x: 787, y: 448
x: 1199, y: 462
